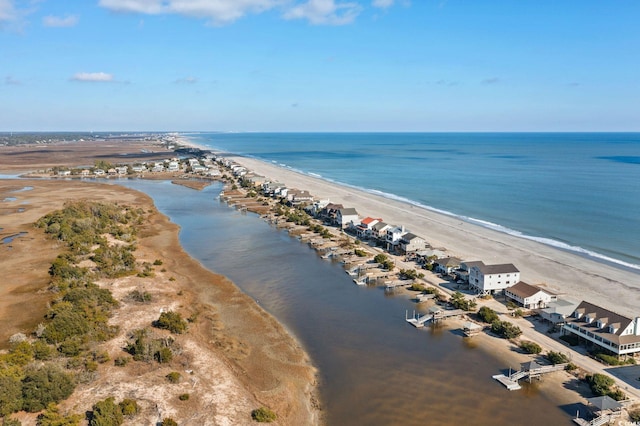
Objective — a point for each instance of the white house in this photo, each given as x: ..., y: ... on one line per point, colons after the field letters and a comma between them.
x: 173, y: 166
x: 346, y: 216
x: 489, y: 279
x: 530, y: 296
x: 605, y: 329
x: 558, y: 311
x: 393, y: 237
x: 411, y: 243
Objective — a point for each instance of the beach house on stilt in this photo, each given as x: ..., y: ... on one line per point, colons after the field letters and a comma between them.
x: 604, y: 329
x: 493, y: 279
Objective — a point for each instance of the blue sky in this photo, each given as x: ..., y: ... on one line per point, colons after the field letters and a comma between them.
x: 320, y: 65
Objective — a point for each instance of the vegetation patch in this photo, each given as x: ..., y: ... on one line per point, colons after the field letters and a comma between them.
x: 78, y: 318
x: 505, y: 329
x: 613, y: 360
x: 173, y: 377
x: 556, y: 357
x: 602, y: 385
x: 460, y: 302
x: 530, y: 347
x: 263, y: 415
x: 171, y: 321
x: 487, y: 315
x: 410, y: 274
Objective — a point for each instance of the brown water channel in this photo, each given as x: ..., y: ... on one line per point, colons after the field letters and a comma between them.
x: 375, y: 369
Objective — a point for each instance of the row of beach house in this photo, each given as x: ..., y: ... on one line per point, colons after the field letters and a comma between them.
x: 592, y: 324
x: 204, y: 166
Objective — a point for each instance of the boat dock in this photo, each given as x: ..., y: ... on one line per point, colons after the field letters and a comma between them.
x: 435, y: 314
x: 423, y: 297
x: 529, y: 370
x: 391, y: 285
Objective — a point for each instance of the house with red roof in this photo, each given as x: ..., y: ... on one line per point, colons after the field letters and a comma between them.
x: 365, y: 228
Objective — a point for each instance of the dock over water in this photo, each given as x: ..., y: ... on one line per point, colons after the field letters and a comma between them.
x: 528, y: 371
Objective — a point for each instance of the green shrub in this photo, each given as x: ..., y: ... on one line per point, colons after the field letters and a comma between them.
x: 184, y: 397
x: 163, y: 355
x: 570, y: 367
x: 410, y: 274
x: 157, y: 262
x: 43, y: 386
x: 380, y: 258
x: 101, y: 357
x: 20, y: 354
x: 121, y: 361
x: 530, y: 347
x: 556, y: 357
x: 460, y: 302
x: 171, y: 321
x: 106, y: 413
x: 634, y: 416
x: 70, y: 347
x: 360, y: 253
x: 52, y: 417
x: 42, y: 351
x: 9, y: 421
x: 140, y: 296
x: 10, y: 394
x: 417, y: 287
x: 505, y: 329
x: 600, y: 384
x: 487, y: 314
x: 129, y: 407
x: 613, y: 360
x: 263, y: 415
x: 168, y: 421
x: 173, y: 377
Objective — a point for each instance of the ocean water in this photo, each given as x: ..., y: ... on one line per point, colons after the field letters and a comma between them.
x: 374, y: 368
x: 576, y: 191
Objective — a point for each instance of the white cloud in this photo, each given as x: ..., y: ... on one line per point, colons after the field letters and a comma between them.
x: 7, y: 10
x: 99, y: 77
x: 59, y: 22
x: 382, y: 4
x: 325, y: 12
x: 218, y: 11
x: 332, y: 12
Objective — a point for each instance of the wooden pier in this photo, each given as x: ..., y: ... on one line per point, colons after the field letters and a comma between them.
x: 434, y: 315
x: 423, y: 297
x: 528, y: 370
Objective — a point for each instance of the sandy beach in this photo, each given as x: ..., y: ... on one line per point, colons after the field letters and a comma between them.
x: 571, y: 276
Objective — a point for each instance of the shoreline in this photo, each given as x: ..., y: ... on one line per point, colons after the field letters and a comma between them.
x: 569, y: 274
x: 579, y: 251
